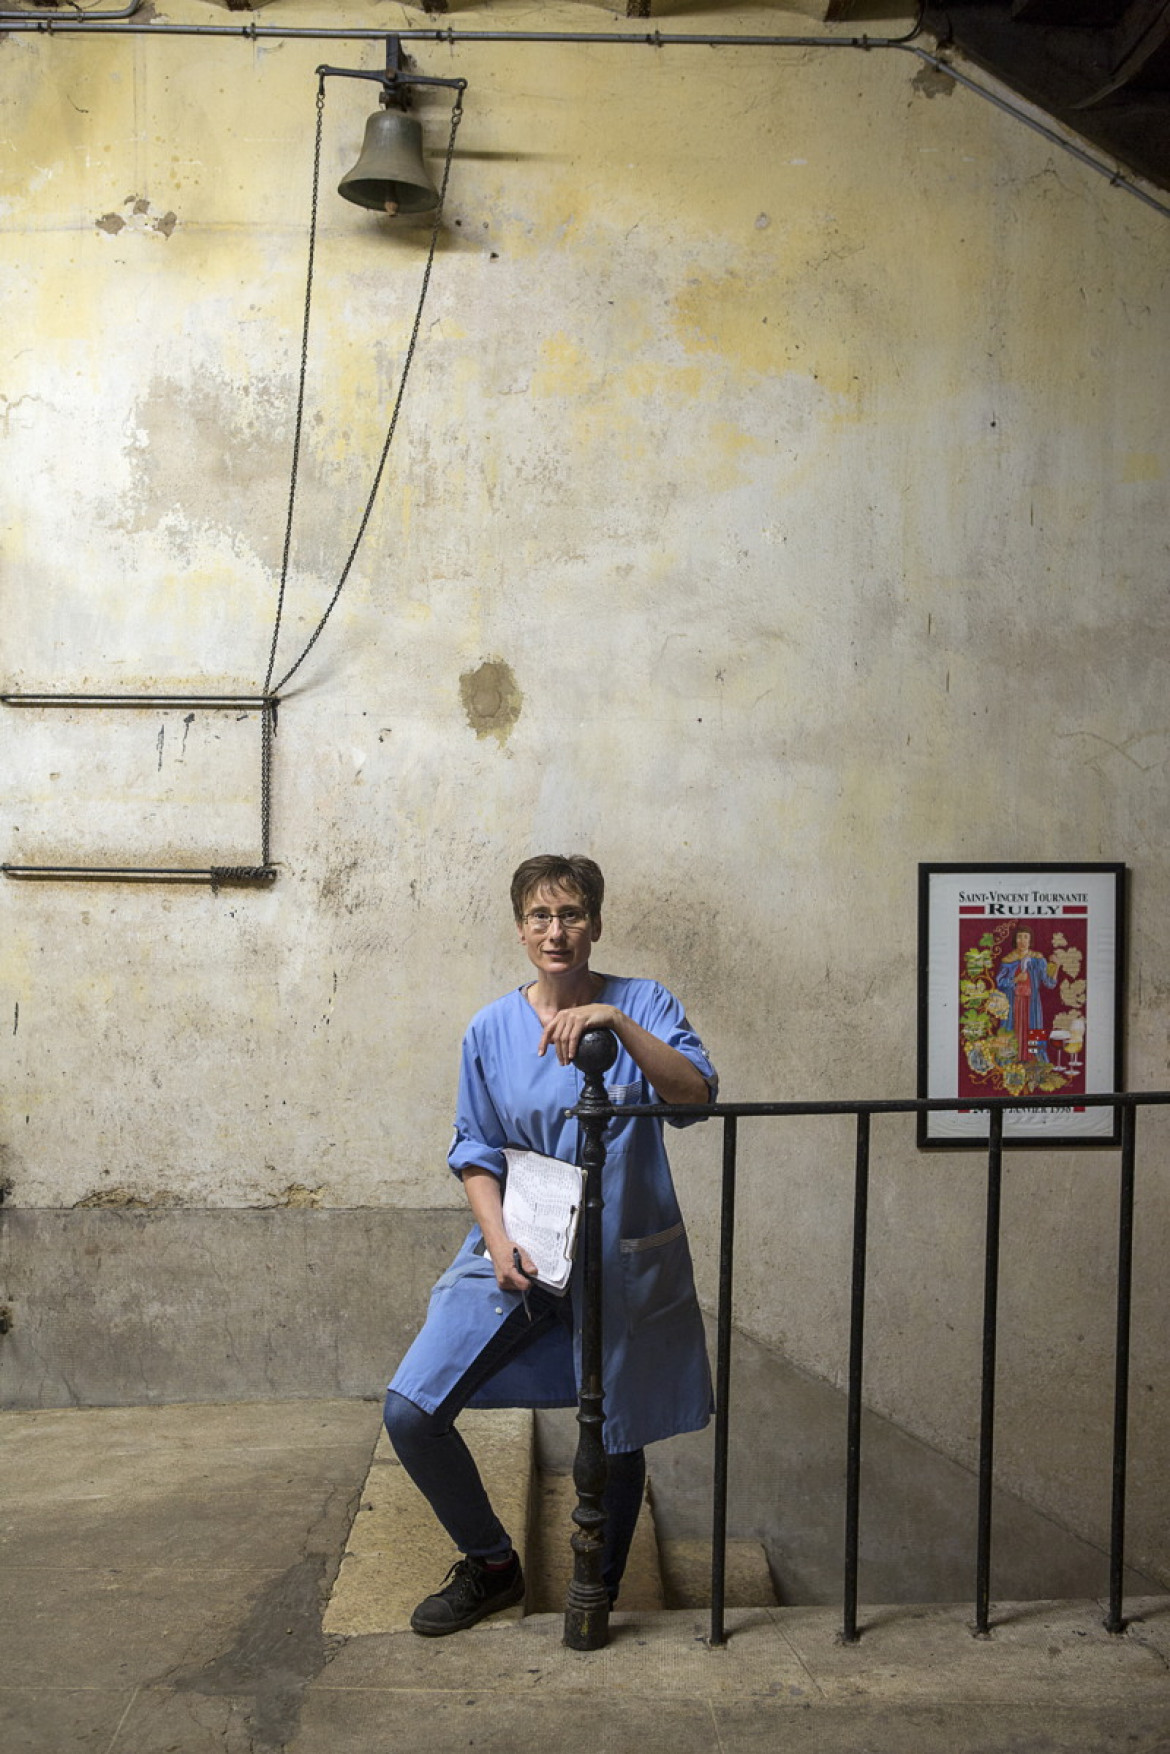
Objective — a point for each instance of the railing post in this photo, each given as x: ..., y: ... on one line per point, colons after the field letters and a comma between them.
x: 723, y: 1386
x: 1116, y: 1620
x: 987, y: 1397
x: 587, y: 1603
x: 856, y: 1354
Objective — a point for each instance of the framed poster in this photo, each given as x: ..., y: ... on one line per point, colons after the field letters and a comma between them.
x: 1020, y: 985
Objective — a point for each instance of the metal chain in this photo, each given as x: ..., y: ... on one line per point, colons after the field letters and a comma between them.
x: 292, y: 486
x: 252, y: 876
x: 267, y: 732
x: 456, y: 118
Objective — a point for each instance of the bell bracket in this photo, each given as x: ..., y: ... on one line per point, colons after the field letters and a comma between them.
x: 395, y: 81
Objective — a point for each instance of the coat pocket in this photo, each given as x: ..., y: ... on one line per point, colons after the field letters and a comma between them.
x: 656, y: 1275
x: 474, y: 1268
x: 622, y: 1093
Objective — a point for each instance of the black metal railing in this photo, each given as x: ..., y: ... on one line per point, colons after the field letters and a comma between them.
x: 595, y: 1111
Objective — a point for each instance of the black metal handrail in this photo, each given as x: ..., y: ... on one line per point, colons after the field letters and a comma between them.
x: 595, y: 1111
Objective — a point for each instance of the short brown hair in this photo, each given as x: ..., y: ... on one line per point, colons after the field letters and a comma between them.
x: 575, y: 872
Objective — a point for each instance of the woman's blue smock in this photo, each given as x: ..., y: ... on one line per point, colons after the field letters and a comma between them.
x: 655, y: 1375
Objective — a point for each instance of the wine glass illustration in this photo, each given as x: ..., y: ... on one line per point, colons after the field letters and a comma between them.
x: 1076, y: 1043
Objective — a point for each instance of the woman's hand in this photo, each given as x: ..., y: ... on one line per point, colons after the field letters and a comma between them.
x: 508, y: 1276
x: 567, y: 1027
x: 483, y: 1196
x: 673, y: 1076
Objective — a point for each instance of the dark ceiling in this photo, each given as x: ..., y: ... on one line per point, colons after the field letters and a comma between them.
x: 1101, y: 67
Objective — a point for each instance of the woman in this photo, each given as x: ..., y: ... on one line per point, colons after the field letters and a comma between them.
x: 491, y: 1339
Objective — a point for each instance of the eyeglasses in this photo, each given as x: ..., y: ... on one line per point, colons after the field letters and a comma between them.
x: 571, y: 918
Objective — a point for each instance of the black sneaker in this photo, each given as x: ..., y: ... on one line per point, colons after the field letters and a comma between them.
x: 472, y: 1592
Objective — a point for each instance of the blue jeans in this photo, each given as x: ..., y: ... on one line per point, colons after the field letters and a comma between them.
x: 443, y: 1468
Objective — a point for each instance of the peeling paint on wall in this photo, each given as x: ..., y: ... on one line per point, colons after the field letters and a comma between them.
x: 300, y: 1198
x: 129, y: 1199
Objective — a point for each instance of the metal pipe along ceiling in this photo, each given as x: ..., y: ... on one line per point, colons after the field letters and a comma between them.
x: 122, y: 23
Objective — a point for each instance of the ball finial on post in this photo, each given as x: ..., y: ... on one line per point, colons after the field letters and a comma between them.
x: 596, y: 1052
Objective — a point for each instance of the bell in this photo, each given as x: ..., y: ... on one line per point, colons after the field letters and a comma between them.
x: 390, y: 176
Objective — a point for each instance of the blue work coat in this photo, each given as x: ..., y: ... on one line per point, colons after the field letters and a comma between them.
x: 655, y: 1375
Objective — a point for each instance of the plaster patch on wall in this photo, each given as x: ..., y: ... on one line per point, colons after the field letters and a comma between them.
x: 933, y: 82
x: 138, y: 219
x: 491, y: 699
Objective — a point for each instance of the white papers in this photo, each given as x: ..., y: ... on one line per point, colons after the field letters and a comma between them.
x: 542, y: 1203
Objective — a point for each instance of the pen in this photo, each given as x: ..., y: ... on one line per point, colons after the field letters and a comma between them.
x: 528, y: 1276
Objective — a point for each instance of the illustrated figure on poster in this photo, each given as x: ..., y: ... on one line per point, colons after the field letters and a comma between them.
x: 1022, y: 975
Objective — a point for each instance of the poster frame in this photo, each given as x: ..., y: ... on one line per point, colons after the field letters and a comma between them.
x: 939, y: 886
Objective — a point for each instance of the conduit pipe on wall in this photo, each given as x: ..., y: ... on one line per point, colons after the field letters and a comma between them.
x: 81, y: 20
x: 1116, y: 177
x: 53, y: 25
x: 122, y: 23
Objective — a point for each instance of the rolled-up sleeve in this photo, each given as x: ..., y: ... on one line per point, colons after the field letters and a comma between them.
x: 669, y: 1022
x: 479, y: 1138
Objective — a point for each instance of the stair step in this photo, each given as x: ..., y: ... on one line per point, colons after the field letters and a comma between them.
x: 686, y: 1574
x: 397, y: 1553
x: 550, y: 1563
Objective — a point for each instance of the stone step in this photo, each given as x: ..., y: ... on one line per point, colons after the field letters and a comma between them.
x: 397, y: 1553
x: 550, y: 1562
x: 686, y: 1575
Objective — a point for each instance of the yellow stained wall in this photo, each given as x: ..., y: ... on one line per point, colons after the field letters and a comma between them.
x: 786, y: 437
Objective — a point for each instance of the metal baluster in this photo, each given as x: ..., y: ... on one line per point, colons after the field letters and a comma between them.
x: 856, y: 1351
x: 587, y: 1603
x: 987, y: 1409
x: 1116, y: 1620
x: 723, y: 1385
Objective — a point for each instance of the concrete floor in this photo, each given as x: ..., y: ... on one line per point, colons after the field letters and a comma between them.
x: 164, y: 1573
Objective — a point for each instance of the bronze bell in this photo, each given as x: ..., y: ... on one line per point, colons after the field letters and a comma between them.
x: 390, y: 176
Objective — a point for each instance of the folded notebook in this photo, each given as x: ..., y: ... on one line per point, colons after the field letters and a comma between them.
x: 542, y: 1204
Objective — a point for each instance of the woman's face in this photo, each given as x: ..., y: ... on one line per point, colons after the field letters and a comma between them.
x: 559, y: 949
